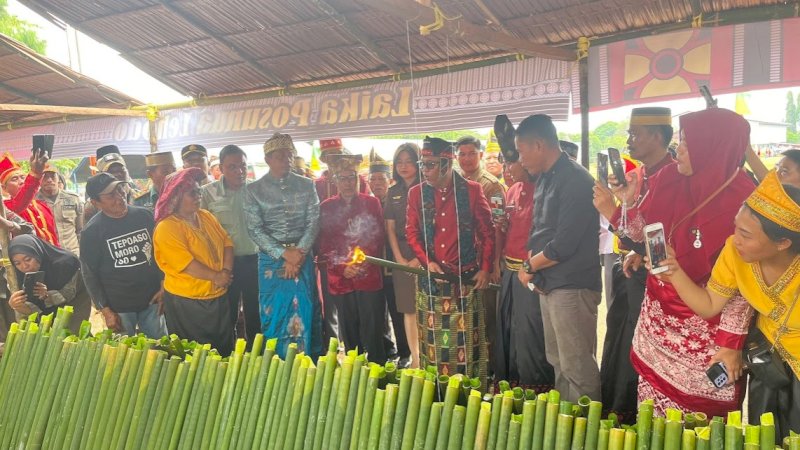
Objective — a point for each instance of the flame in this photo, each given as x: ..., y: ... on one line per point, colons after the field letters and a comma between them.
x: 358, y: 257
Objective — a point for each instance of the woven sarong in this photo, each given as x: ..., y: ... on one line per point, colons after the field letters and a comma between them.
x: 452, y: 332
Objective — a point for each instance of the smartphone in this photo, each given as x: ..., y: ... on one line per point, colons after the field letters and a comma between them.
x: 602, y: 168
x: 497, y: 206
x: 43, y: 143
x: 617, y: 167
x: 656, y: 246
x: 29, y: 282
x: 718, y: 375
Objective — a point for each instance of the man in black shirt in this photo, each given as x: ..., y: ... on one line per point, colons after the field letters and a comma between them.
x: 563, y: 266
x: 117, y: 261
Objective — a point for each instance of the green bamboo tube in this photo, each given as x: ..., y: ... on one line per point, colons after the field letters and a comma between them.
x: 399, y: 422
x: 717, y: 440
x: 551, y: 419
x: 316, y: 396
x: 252, y: 405
x: 216, y: 394
x: 286, y: 433
x: 565, y: 407
x: 614, y: 419
x: 376, y: 372
x: 603, y: 437
x: 494, y: 425
x: 305, y: 408
x: 351, y: 403
x: 593, y: 424
x: 100, y: 424
x: 142, y: 417
x: 375, y: 421
x: 794, y: 442
x: 748, y: 446
x: 358, y: 416
x: 318, y: 430
x: 767, y: 438
x: 223, y: 424
x: 583, y: 404
x: 528, y: 419
x: 616, y: 439
x: 471, y: 420
x: 81, y: 415
x: 84, y: 374
x: 72, y: 351
x: 506, y: 410
x: 412, y: 416
x: 701, y: 419
x: 202, y: 390
x: 441, y: 385
x: 752, y: 434
x: 504, y: 386
x: 95, y: 404
x: 703, y: 437
x: 170, y: 409
x: 450, y: 399
x: 519, y: 398
x: 644, y: 425
x: 426, y: 403
x: 673, y: 431
x: 539, y: 422
x: 734, y: 439
x: 280, y: 414
x: 387, y: 419
x: 144, y: 399
x: 514, y: 432
x: 482, y: 433
x: 326, y: 436
x: 564, y: 426
x: 579, y: 433
x: 630, y: 439
x: 689, y: 440
x: 276, y: 368
x: 35, y: 348
x: 340, y: 408
x: 391, y: 372
x: 130, y: 376
x: 457, y: 428
x: 174, y: 431
x: 247, y: 394
x: 433, y: 426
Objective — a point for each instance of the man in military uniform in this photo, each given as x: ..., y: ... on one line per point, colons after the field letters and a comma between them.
x: 67, y: 209
x: 159, y: 166
x: 195, y: 155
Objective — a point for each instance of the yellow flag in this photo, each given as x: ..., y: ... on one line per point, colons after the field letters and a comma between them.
x: 314, y: 165
x: 741, y: 105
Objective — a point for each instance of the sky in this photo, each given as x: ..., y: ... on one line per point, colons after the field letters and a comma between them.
x: 107, y: 66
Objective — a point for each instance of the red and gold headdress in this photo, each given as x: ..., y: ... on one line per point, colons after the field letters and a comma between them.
x: 771, y: 201
x: 7, y: 167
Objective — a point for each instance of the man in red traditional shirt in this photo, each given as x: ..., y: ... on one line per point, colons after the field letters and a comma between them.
x: 325, y: 184
x: 519, y: 353
x: 349, y: 220
x: 449, y: 227
x: 22, y: 189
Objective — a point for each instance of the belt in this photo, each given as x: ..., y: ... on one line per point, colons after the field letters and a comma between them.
x: 513, y: 264
x: 288, y: 244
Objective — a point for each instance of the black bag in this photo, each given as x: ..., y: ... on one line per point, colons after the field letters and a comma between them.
x: 761, y: 358
x: 763, y: 361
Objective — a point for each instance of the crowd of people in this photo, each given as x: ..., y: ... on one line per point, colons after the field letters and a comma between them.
x: 513, y: 238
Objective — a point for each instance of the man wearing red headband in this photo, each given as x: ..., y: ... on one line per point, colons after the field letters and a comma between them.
x: 325, y: 184
x: 22, y: 188
x: 449, y: 227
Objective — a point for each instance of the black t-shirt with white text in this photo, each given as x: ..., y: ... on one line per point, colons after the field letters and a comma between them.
x: 117, y: 257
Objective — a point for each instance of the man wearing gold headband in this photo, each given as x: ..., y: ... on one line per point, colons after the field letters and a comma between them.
x: 158, y: 165
x: 283, y: 216
x: 22, y: 188
x: 761, y: 261
x: 649, y: 136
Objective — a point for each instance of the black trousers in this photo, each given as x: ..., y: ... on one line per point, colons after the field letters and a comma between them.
x: 362, y: 317
x: 244, y: 291
x: 398, y: 323
x: 783, y: 402
x: 330, y: 320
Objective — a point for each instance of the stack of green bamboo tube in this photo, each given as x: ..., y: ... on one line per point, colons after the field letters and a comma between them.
x: 103, y: 392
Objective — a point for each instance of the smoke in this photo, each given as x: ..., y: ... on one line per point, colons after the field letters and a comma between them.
x: 361, y: 231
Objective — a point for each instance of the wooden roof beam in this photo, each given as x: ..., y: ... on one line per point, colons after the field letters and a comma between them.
x: 79, y: 110
x: 269, y: 75
x: 423, y: 15
x: 357, y: 34
x: 21, y: 94
x: 493, y: 18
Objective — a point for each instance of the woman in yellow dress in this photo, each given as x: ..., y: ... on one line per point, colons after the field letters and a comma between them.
x: 761, y: 261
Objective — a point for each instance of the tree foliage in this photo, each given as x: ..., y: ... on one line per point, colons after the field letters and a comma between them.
x: 791, y: 111
x: 608, y: 134
x: 20, y: 30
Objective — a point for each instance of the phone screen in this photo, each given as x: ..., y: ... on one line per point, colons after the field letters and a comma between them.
x: 29, y: 282
x: 602, y: 168
x: 44, y: 143
x: 616, y: 166
x: 656, y: 247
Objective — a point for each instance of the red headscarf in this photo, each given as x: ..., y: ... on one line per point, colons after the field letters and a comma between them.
x: 716, y: 140
x: 174, y: 187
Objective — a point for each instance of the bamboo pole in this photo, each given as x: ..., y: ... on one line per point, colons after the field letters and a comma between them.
x: 5, y: 237
x: 78, y: 110
x: 583, y: 77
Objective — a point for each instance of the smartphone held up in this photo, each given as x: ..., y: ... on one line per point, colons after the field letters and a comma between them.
x: 656, y: 246
x: 602, y: 168
x: 43, y: 143
x: 617, y: 166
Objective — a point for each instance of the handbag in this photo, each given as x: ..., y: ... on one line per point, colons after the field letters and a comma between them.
x: 760, y: 356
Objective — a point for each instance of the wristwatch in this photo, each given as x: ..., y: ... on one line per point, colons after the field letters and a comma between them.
x: 526, y: 265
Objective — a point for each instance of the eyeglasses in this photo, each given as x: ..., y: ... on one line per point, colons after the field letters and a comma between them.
x: 346, y: 177
x: 119, y: 191
x: 428, y: 164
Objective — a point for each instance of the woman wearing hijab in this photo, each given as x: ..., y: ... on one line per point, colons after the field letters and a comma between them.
x: 62, y: 284
x: 196, y: 255
x: 405, y: 174
x: 696, y: 200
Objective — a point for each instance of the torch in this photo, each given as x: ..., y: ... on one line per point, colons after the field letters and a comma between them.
x: 360, y: 257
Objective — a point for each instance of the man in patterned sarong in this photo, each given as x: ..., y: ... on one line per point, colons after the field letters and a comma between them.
x: 449, y: 227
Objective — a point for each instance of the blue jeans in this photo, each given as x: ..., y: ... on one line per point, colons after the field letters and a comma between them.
x: 147, y: 321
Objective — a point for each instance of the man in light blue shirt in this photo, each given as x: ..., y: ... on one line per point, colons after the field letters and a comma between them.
x: 283, y: 217
x: 225, y: 198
